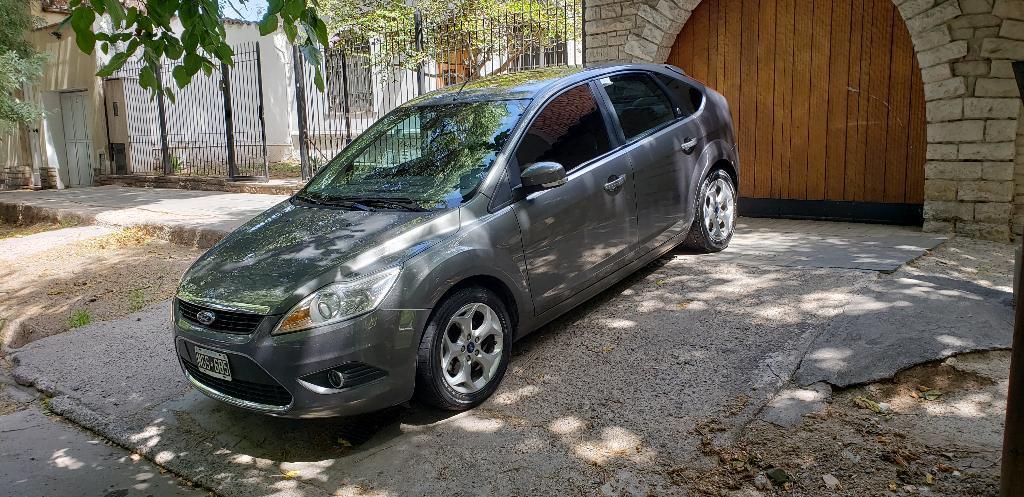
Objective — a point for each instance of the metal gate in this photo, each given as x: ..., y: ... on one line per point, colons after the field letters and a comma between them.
x: 213, y: 126
x: 358, y: 91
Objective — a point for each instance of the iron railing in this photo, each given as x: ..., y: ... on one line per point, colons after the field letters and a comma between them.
x: 360, y: 88
x: 214, y: 126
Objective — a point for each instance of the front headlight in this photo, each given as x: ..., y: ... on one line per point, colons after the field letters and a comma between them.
x: 338, y: 302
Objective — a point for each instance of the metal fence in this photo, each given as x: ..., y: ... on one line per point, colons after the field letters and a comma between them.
x: 213, y: 126
x: 360, y: 87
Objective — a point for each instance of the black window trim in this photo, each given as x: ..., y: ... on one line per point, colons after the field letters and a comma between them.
x: 611, y: 115
x: 675, y: 100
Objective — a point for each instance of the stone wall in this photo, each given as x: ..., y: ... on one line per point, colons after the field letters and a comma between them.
x: 973, y: 185
x: 14, y: 176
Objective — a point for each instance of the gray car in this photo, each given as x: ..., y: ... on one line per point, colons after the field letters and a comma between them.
x: 457, y: 224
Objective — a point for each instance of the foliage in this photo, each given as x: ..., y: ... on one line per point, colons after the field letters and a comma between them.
x: 79, y: 318
x: 464, y: 33
x: 136, y: 300
x: 148, y: 32
x: 19, y: 64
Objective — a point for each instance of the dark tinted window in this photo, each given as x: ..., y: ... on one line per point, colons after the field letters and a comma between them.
x: 689, y: 98
x: 569, y: 131
x: 639, y: 103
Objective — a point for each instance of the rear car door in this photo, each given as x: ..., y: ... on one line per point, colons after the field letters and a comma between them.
x: 579, y: 232
x: 664, y: 139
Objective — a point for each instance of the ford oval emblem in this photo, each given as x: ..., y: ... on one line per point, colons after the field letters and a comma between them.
x: 206, y: 317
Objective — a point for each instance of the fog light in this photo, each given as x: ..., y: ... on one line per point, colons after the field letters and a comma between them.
x: 336, y: 379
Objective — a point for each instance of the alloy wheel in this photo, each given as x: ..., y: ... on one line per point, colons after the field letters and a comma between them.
x: 471, y: 349
x: 719, y: 210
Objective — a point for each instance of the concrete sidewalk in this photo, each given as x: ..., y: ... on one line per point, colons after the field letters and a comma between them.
x: 187, y: 217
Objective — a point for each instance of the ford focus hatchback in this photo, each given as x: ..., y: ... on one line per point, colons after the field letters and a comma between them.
x: 455, y: 225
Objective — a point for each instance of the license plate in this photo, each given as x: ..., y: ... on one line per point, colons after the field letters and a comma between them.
x: 213, y: 363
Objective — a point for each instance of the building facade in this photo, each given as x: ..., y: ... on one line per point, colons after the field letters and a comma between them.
x: 822, y: 86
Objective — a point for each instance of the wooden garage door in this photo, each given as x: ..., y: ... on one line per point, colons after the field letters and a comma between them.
x: 826, y: 96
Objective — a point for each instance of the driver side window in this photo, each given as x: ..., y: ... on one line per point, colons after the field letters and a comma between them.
x: 570, y: 131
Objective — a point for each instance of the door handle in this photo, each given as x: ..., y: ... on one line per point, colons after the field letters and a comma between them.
x: 689, y: 145
x: 614, y: 182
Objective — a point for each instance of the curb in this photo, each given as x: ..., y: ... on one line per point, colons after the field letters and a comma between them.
x: 19, y: 213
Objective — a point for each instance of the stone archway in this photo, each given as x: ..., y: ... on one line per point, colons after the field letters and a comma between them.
x: 964, y: 48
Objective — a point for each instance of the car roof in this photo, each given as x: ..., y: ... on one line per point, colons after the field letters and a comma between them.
x: 527, y: 84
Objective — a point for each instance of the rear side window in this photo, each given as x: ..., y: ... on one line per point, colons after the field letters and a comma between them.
x: 639, y: 103
x: 570, y: 131
x: 689, y: 98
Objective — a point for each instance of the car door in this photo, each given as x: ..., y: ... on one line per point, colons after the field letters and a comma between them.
x: 579, y: 232
x: 664, y: 139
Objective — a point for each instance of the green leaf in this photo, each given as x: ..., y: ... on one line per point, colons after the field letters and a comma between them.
x: 116, y: 62
x: 224, y: 53
x: 173, y: 49
x: 116, y: 12
x: 294, y: 8
x: 148, y: 79
x: 268, y: 24
x: 193, y: 62
x: 181, y: 75
x: 81, y: 21
x: 312, y: 55
x: 274, y: 6
x: 291, y: 31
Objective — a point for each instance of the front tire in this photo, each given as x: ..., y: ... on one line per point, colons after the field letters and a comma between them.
x: 715, y: 219
x: 465, y: 350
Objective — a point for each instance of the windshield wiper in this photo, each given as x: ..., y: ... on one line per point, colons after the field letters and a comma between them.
x: 333, y: 202
x: 406, y: 204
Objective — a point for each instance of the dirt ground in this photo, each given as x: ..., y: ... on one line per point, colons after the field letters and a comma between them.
x: 938, y: 432
x: 934, y: 429
x: 84, y: 282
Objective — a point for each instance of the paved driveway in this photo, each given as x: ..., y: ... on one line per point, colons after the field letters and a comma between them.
x: 614, y: 397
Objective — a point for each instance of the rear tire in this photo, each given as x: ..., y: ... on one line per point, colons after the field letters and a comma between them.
x: 465, y: 350
x: 714, y: 221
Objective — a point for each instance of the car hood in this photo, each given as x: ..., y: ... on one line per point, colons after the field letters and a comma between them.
x: 277, y: 258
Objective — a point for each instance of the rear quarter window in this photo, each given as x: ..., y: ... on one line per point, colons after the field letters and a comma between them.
x: 688, y: 97
x: 639, y: 103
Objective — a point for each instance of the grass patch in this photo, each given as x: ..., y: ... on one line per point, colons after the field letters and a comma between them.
x: 19, y: 230
x: 79, y: 318
x: 285, y: 169
x: 69, y: 222
x: 132, y: 236
x: 136, y: 300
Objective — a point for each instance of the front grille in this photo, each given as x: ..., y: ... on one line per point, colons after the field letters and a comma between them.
x: 238, y: 323
x: 260, y: 393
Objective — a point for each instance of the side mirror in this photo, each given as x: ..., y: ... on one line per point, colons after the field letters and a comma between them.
x: 542, y: 175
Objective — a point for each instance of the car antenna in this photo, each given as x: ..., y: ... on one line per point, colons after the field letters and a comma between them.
x: 463, y: 86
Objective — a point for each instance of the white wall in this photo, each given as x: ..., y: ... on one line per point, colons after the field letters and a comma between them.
x: 278, y: 81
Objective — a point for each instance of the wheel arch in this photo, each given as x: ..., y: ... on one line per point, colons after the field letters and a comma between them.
x: 492, y: 283
x: 723, y: 164
x: 717, y: 155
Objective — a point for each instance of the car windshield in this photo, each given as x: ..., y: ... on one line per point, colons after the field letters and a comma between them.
x: 418, y: 157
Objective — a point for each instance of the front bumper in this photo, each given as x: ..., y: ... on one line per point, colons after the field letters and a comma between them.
x: 278, y: 375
